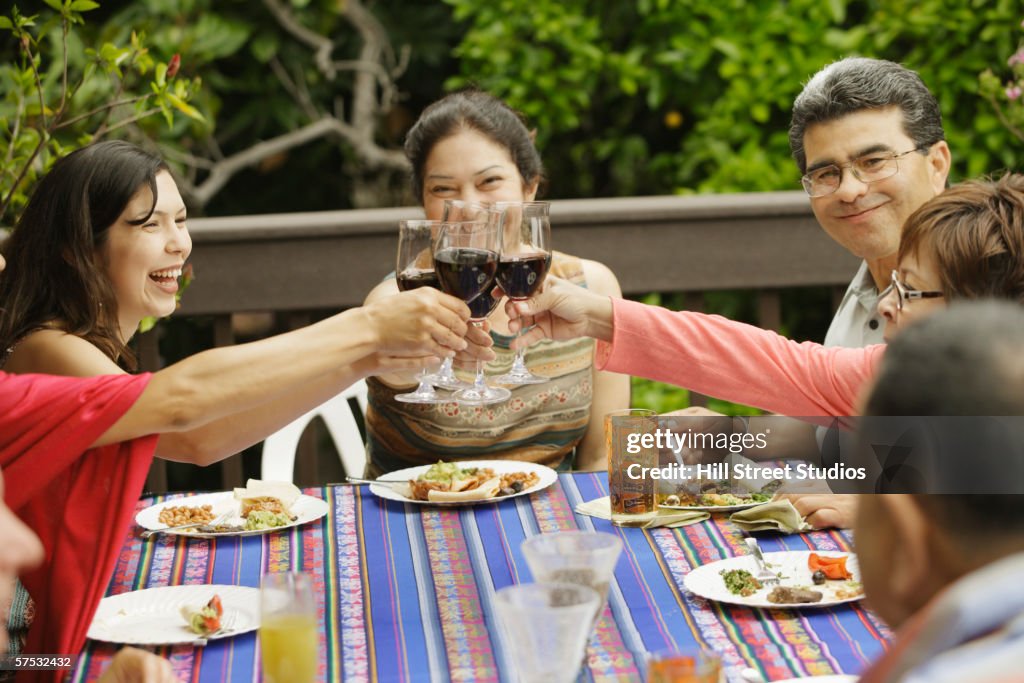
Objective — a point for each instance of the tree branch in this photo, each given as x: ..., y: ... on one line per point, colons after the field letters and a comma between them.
x: 1005, y: 121
x: 108, y: 105
x: 222, y: 171
x: 321, y: 45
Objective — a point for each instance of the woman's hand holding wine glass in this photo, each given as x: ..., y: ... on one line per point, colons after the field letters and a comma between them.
x: 414, y: 268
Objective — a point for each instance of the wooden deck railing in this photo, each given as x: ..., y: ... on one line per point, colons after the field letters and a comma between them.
x: 303, y: 262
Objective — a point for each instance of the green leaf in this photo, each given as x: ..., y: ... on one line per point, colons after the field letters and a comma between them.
x: 185, y: 108
x: 147, y: 323
x: 6, y: 23
x: 264, y: 47
x: 83, y: 5
x: 54, y: 5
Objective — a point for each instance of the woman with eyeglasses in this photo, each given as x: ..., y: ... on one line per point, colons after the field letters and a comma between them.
x: 966, y: 243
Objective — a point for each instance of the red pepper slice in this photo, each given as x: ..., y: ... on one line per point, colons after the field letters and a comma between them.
x: 831, y: 567
x: 215, y: 603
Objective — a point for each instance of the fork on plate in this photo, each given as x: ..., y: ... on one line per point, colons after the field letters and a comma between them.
x: 219, y: 520
x: 764, y: 575
x: 227, y: 627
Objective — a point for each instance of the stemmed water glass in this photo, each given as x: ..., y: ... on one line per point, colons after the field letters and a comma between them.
x: 414, y: 268
x: 466, y: 260
x: 525, y: 259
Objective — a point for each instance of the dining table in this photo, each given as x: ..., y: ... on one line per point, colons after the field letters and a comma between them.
x: 405, y: 592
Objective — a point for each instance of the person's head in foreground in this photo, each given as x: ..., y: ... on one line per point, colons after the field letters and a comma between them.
x: 100, y: 246
x: 470, y: 145
x: 867, y: 136
x: 912, y: 549
x: 967, y: 243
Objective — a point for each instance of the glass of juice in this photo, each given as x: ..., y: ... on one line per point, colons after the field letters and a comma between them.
x: 289, y: 639
x: 687, y: 665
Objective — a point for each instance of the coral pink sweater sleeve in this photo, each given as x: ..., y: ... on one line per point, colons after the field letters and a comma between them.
x: 736, y: 362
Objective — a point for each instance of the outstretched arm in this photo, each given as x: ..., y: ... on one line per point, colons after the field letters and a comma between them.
x: 227, y: 399
x: 222, y: 400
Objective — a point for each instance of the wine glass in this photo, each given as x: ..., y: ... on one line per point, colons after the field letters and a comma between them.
x: 414, y: 268
x: 457, y: 210
x: 466, y: 260
x: 525, y: 259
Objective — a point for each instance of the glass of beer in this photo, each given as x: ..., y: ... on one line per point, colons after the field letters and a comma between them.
x: 632, y: 454
x: 288, y: 629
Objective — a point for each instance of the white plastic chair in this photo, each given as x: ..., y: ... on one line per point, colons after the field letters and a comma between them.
x: 278, y: 462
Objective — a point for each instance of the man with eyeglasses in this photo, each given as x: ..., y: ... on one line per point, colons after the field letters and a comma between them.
x: 867, y: 135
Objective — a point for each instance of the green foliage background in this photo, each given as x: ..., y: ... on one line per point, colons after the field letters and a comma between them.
x: 640, y: 97
x: 657, y: 96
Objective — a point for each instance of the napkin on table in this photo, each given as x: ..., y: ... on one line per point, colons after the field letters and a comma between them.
x: 777, y: 515
x: 602, y: 509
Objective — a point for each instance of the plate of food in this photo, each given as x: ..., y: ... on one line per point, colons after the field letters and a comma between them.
x: 807, y: 579
x: 464, y: 482
x: 715, y: 502
x: 259, y: 508
x: 176, y: 614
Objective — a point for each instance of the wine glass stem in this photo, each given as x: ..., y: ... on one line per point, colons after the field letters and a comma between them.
x: 478, y: 381
x: 425, y: 388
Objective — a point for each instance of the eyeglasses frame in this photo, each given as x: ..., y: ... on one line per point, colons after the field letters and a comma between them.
x: 806, y: 181
x: 904, y: 294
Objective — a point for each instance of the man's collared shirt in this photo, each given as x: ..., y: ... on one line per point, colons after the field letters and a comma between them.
x: 857, y: 323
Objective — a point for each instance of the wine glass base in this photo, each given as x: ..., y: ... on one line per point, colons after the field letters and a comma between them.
x: 473, y: 397
x: 452, y: 384
x: 413, y: 398
x: 517, y: 378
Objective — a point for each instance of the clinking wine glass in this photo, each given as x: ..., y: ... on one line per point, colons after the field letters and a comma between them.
x: 414, y: 268
x: 524, y: 263
x: 466, y: 260
x: 457, y: 210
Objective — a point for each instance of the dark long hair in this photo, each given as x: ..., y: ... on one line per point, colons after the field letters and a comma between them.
x: 55, y: 275
x: 475, y: 110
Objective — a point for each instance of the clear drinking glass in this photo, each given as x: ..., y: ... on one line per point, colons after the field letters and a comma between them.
x: 466, y: 260
x: 586, y: 558
x: 289, y: 640
x: 545, y: 627
x: 524, y: 263
x: 414, y: 268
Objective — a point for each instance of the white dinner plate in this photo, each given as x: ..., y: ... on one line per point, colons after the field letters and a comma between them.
x: 546, y: 477
x: 714, y: 508
x: 305, y: 508
x: 791, y: 566
x: 836, y: 678
x: 153, y: 616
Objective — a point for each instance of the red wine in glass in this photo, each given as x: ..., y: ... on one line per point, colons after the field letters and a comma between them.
x: 521, y: 276
x: 414, y: 269
x: 466, y: 272
x: 414, y: 278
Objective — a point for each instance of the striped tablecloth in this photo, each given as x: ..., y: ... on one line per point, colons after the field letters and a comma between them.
x: 406, y: 592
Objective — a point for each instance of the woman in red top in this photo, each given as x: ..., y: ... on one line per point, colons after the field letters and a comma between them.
x: 98, y: 247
